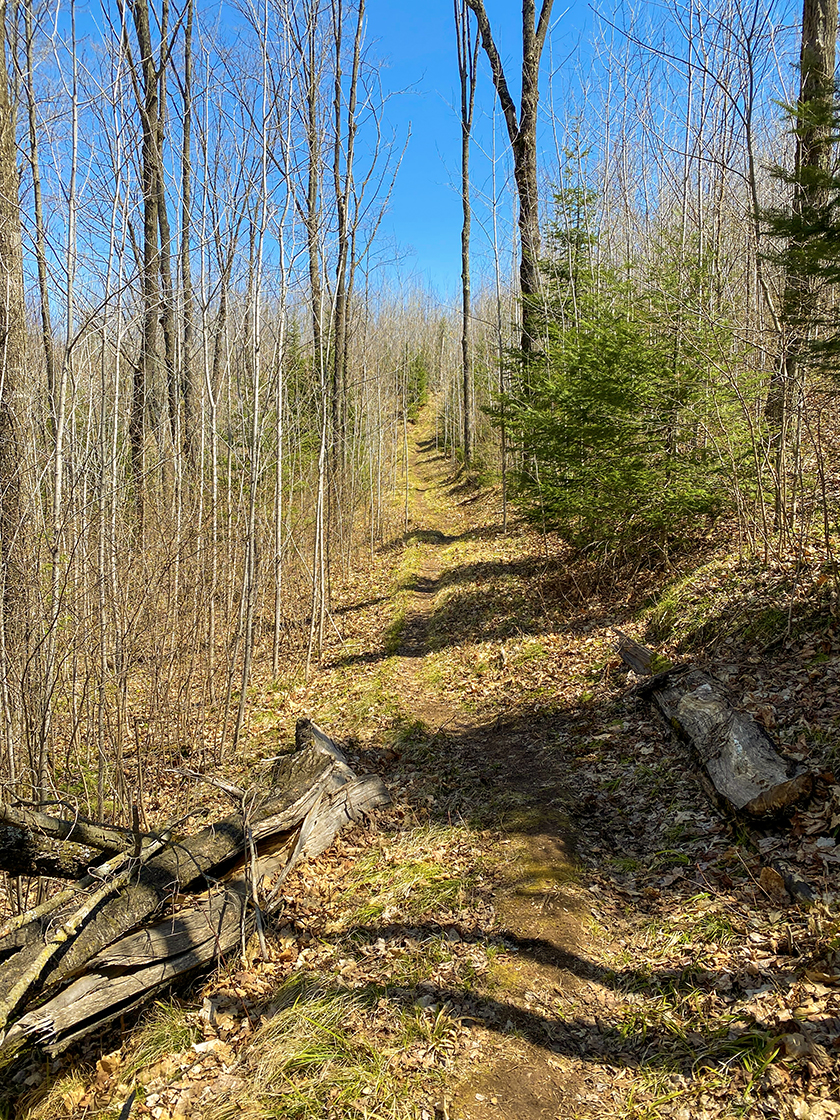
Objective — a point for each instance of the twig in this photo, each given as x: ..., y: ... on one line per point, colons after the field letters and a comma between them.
x: 229, y: 788
x: 251, y: 874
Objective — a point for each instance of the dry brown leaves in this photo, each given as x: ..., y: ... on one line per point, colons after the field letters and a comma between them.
x: 697, y: 987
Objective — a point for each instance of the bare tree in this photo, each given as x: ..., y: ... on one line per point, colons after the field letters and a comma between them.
x: 467, y: 60
x: 38, y: 206
x: 522, y: 133
x: 13, y: 355
x: 188, y: 388
x: 344, y: 144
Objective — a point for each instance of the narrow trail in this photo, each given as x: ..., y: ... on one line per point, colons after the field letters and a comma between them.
x: 643, y: 969
x: 522, y: 1075
x: 549, y: 922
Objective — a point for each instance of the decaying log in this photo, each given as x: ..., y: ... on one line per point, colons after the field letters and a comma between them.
x: 20, y: 855
x: 105, y: 837
x: 742, y: 768
x: 643, y: 661
x: 739, y: 757
x: 174, y: 910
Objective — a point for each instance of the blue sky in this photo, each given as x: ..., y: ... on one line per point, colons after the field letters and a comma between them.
x: 415, y: 45
x: 416, y: 42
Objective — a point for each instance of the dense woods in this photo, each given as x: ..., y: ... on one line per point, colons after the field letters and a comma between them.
x: 256, y: 467
x: 204, y: 418
x: 210, y: 365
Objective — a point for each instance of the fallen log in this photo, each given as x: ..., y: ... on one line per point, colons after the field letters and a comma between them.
x: 741, y: 766
x: 107, y: 838
x: 178, y: 907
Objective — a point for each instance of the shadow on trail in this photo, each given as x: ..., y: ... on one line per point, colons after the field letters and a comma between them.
x: 626, y: 1041
x: 436, y: 536
x: 520, y: 774
x: 486, y: 601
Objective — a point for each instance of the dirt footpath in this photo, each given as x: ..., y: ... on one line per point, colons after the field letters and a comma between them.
x: 639, y: 968
x: 550, y: 921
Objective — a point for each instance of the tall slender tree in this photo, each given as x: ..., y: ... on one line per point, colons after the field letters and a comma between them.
x: 814, y: 145
x: 522, y: 133
x: 467, y: 68
x: 13, y: 356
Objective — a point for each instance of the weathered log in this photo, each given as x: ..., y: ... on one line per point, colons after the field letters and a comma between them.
x: 643, y: 661
x: 744, y: 770
x: 105, y: 968
x: 40, y: 959
x: 300, y: 779
x: 20, y: 855
x: 105, y: 837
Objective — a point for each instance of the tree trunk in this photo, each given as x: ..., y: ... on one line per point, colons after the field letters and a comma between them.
x: 814, y: 149
x: 95, y: 952
x: 38, y: 208
x: 522, y: 133
x: 188, y: 385
x: 467, y: 60
x: 15, y: 556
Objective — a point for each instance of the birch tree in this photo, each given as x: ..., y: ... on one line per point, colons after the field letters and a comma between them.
x: 467, y: 48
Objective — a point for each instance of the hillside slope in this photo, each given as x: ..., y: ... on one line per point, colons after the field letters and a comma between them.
x: 550, y: 921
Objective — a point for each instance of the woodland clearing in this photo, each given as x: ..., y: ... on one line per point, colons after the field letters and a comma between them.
x: 551, y: 920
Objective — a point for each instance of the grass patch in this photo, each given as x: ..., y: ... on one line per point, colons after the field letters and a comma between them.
x: 690, y: 608
x: 529, y: 651
x: 314, y: 1058
x: 396, y: 628
x: 60, y: 1100
x: 428, y: 869
x: 766, y: 625
x: 167, y: 1030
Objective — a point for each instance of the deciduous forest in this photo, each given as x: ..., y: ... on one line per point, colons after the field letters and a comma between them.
x: 252, y: 470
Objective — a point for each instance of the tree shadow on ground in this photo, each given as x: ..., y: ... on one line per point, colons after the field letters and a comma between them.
x: 602, y: 1038
x: 349, y: 608
x: 493, y: 601
x: 517, y: 774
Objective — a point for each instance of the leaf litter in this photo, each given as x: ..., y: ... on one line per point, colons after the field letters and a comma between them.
x: 551, y: 919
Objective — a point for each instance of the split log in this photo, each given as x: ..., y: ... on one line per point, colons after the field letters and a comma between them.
x: 741, y: 766
x: 71, y: 970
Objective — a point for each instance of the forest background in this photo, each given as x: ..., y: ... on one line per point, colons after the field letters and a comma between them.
x: 213, y: 347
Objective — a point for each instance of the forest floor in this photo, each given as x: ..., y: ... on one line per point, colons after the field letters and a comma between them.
x: 550, y: 921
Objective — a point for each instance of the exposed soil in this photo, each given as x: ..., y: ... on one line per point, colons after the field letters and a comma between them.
x: 551, y: 920
x: 518, y: 1077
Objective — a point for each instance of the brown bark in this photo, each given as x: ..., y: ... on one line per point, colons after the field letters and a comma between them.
x: 83, y: 963
x: 13, y: 376
x: 814, y: 149
x: 522, y: 133
x: 40, y: 231
x: 157, y: 285
x: 145, y: 371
